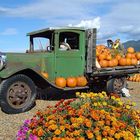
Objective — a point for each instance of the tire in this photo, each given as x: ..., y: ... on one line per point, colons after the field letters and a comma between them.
x: 115, y: 85
x: 17, y: 94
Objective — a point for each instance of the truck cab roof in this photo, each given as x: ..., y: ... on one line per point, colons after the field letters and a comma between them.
x: 51, y: 29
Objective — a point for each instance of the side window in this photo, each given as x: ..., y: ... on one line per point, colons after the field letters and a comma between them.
x: 69, y: 41
x: 41, y: 44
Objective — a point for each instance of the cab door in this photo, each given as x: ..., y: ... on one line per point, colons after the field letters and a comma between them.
x: 70, y: 62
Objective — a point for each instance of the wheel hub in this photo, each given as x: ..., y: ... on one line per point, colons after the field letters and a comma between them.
x: 18, y: 95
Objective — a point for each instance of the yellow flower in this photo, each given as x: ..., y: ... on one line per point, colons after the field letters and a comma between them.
x: 104, y: 93
x: 62, y: 128
x: 120, y: 103
x: 128, y: 107
x: 52, y: 122
x: 104, y: 103
x: 99, y: 104
x: 52, y: 127
x: 77, y: 94
x: 100, y: 95
x: 76, y: 133
x: 95, y: 104
x: 133, y: 104
x: 57, y: 132
x: 80, y: 120
x: 113, y: 97
x: 75, y: 125
x: 117, y: 136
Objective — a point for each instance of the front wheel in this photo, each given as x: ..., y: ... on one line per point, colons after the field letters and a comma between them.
x: 116, y: 85
x: 17, y: 94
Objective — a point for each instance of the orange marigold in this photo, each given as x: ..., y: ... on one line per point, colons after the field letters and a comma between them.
x: 57, y: 132
x: 89, y: 134
x: 40, y: 132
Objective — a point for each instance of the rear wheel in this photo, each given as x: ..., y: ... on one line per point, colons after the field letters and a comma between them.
x: 116, y: 85
x: 17, y: 94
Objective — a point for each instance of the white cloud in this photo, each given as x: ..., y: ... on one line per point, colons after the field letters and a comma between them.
x: 9, y: 31
x: 94, y: 23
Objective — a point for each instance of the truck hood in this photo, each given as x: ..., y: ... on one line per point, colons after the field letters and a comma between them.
x: 16, y: 62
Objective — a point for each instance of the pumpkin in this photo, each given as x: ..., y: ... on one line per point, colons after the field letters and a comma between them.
x: 60, y: 82
x: 110, y: 63
x: 81, y: 81
x: 130, y: 50
x: 122, y: 61
x: 100, y: 47
x: 138, y: 55
x: 108, y: 57
x: 102, y: 56
x: 133, y: 55
x: 45, y: 74
x: 103, y: 63
x: 128, y: 55
x: 128, y: 61
x: 118, y: 56
x: 134, y: 61
x: 71, y: 82
x: 115, y: 62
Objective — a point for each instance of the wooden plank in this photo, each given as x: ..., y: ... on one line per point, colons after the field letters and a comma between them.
x: 91, y: 49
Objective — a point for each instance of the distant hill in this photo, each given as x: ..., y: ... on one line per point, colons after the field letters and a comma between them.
x: 132, y: 43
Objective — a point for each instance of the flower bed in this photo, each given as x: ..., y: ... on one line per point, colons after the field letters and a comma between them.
x: 91, y: 116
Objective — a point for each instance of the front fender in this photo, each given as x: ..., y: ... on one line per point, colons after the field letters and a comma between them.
x: 11, y: 69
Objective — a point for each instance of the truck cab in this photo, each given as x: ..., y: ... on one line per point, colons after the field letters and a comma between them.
x: 60, y: 61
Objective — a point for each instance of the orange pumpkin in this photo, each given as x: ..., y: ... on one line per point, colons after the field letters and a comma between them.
x: 45, y: 74
x: 102, y: 56
x: 100, y: 47
x: 128, y: 61
x: 134, y: 61
x: 81, y: 81
x: 60, y: 82
x: 118, y: 56
x: 138, y: 55
x: 115, y: 62
x: 133, y: 55
x: 122, y: 61
x: 108, y: 57
x: 103, y: 63
x: 110, y: 63
x: 130, y: 50
x: 128, y: 55
x: 71, y: 82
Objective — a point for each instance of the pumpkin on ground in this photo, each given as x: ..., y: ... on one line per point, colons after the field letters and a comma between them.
x: 60, y: 82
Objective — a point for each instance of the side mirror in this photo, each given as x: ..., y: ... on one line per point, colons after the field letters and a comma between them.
x: 49, y: 48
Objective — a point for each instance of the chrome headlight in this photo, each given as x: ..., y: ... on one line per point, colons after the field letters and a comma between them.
x: 2, y: 60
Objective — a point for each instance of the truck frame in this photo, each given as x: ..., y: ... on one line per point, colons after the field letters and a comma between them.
x: 21, y: 74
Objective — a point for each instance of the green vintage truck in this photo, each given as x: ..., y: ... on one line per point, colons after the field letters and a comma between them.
x: 21, y: 73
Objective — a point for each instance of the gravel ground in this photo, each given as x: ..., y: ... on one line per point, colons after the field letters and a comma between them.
x: 9, y: 124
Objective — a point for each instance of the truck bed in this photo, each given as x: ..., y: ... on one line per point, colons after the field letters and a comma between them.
x: 119, y: 70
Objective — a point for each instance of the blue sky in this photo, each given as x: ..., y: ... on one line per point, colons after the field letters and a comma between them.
x: 113, y: 19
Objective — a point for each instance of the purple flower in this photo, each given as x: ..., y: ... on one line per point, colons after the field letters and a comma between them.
x: 27, y: 122
x: 32, y: 137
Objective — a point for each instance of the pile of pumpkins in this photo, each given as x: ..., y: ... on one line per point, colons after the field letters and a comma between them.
x: 107, y: 57
x: 134, y: 78
x: 71, y: 82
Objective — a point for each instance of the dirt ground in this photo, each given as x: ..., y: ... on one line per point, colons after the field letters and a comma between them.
x: 9, y: 124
